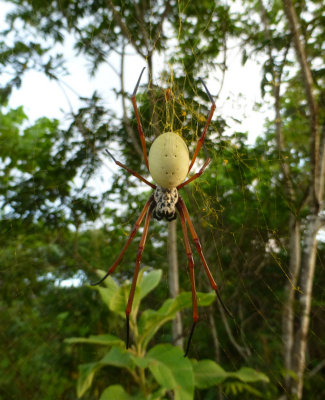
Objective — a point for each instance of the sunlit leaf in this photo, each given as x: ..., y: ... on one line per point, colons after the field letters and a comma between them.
x: 86, y: 376
x: 207, y: 373
x: 172, y: 370
x: 118, y: 358
x: 150, y: 321
x: 116, y: 297
x: 149, y: 281
x: 117, y: 392
x: 246, y: 374
x: 106, y: 340
x: 146, y: 282
x: 115, y: 357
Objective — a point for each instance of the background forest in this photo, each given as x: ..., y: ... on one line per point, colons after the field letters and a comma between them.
x: 67, y: 209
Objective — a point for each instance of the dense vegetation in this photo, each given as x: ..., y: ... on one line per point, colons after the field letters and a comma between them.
x: 258, y: 208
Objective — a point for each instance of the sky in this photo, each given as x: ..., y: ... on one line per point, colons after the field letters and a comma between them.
x: 42, y: 97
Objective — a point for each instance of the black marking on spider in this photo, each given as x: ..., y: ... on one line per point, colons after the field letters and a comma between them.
x: 165, y: 207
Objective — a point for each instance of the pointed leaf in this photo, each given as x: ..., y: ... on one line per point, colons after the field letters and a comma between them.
x: 150, y: 321
x: 113, y: 296
x: 117, y: 392
x: 149, y: 281
x: 105, y: 340
x: 172, y: 370
x: 85, y: 377
x: 118, y: 358
x: 158, y: 394
x: 116, y: 297
x: 115, y: 357
x: 139, y: 361
x: 145, y: 283
x: 246, y: 374
x: 207, y: 373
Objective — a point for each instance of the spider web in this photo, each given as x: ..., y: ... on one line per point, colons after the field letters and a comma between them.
x: 236, y: 207
x: 205, y: 200
x: 247, y: 255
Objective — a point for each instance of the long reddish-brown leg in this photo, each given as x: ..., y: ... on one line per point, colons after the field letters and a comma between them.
x: 136, y: 273
x: 130, y: 238
x: 199, y: 250
x: 141, y: 178
x: 201, y: 140
x: 196, y: 175
x: 140, y: 130
x: 189, y: 255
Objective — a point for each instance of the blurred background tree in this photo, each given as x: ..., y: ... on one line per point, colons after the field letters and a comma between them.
x: 258, y: 208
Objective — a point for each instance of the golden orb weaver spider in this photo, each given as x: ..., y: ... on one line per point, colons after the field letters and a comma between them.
x: 168, y: 166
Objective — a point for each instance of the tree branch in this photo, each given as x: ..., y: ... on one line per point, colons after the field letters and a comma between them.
x: 139, y: 14
x: 243, y: 351
x: 162, y: 19
x: 124, y: 28
x: 277, y: 106
x: 322, y: 167
x: 311, y: 101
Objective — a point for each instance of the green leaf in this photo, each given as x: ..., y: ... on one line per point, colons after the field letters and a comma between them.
x: 157, y: 395
x: 116, y: 297
x: 115, y: 357
x: 172, y: 370
x: 111, y: 295
x: 236, y: 387
x: 86, y: 376
x: 149, y: 281
x: 115, y: 300
x: 116, y: 392
x: 207, y: 373
x: 150, y: 321
x: 118, y: 358
x: 139, y: 361
x: 106, y: 340
x: 246, y: 374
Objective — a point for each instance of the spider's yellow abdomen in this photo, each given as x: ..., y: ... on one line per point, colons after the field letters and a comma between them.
x: 168, y: 160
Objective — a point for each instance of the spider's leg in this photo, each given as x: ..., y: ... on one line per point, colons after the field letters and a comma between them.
x: 136, y: 273
x: 141, y: 178
x: 130, y: 238
x: 196, y: 240
x: 196, y: 175
x: 140, y: 130
x: 189, y: 255
x: 201, y: 140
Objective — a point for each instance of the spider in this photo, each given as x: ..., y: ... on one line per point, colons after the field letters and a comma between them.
x: 168, y: 164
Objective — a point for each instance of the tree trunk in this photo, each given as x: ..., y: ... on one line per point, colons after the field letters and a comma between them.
x: 290, y: 290
x: 177, y: 329
x: 313, y: 221
x: 147, y: 54
x: 308, y: 263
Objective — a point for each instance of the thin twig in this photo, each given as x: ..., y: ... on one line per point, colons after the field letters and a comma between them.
x: 124, y: 28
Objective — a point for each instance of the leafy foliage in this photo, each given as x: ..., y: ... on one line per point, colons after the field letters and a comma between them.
x: 168, y: 367
x: 55, y: 229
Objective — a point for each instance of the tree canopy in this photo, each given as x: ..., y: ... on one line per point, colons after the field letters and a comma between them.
x: 258, y: 208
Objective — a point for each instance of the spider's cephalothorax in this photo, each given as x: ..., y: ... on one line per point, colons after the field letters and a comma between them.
x: 168, y: 164
x: 166, y: 200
